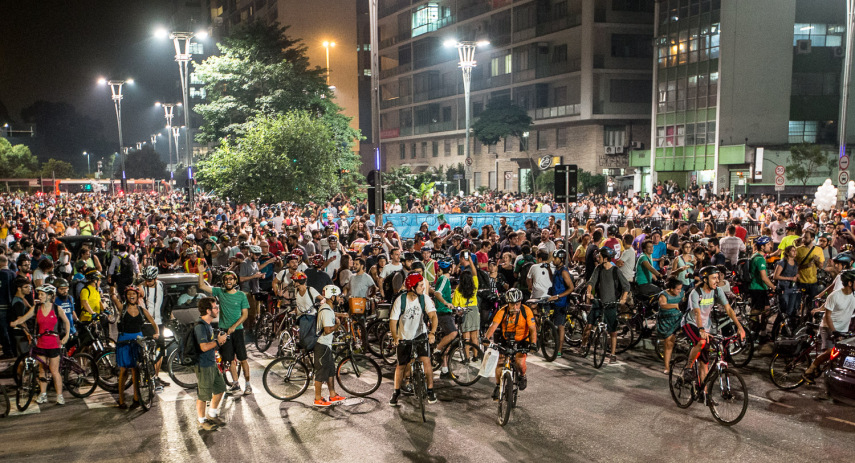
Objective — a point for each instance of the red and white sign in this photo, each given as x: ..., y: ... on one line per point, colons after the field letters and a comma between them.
x: 843, y: 177
x: 779, y: 181
x: 843, y: 163
x: 779, y: 171
x: 468, y: 161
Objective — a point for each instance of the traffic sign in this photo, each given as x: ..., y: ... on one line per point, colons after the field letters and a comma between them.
x: 843, y: 177
x: 843, y: 163
x: 507, y: 175
x: 458, y: 177
x: 468, y: 161
x: 467, y: 171
x: 779, y: 180
x: 779, y: 171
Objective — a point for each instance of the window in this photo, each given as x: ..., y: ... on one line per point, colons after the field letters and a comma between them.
x: 435, y: 149
x: 560, y: 96
x: 630, y: 91
x: 614, y: 135
x: 542, y: 139
x: 477, y: 179
x: 403, y: 150
x: 803, y: 131
x: 559, y: 54
x: 561, y: 137
x: 500, y: 65
x: 491, y: 180
x: 638, y: 6
x: 425, y: 19
x: 476, y: 149
x: 509, y: 144
x: 460, y: 150
x: 197, y: 48
x: 424, y: 149
x: 492, y: 149
x: 816, y: 83
x: 448, y: 147
x: 632, y: 46
x: 413, y: 151
x: 820, y: 35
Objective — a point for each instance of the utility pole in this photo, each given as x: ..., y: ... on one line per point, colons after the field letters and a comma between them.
x: 375, y: 110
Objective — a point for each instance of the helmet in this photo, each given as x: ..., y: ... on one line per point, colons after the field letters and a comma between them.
x: 560, y: 254
x: 93, y: 274
x: 612, y: 230
x: 150, y: 273
x: 299, y: 276
x: 513, y: 295
x: 132, y: 289
x: 60, y: 283
x: 189, y: 251
x: 229, y: 273
x: 762, y: 240
x: 292, y: 257
x: 419, y: 236
x: 49, y: 289
x: 331, y: 290
x: 792, y: 226
x: 458, y: 230
x: 466, y: 243
x: 78, y: 277
x: 412, y: 280
x: 655, y: 231
x: 707, y: 271
x: 318, y: 260
x: 608, y: 252
x: 409, y: 256
x: 843, y: 258
x: 255, y: 249
x: 298, y: 252
x: 847, y: 275
x: 445, y: 263
x: 847, y: 248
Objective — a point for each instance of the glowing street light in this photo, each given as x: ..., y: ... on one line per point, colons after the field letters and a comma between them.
x: 116, y: 96
x: 327, y: 45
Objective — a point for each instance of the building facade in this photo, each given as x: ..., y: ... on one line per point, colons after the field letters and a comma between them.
x: 581, y: 68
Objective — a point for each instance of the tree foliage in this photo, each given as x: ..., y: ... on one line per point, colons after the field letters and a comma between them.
x: 291, y: 157
x: 17, y: 161
x: 501, y: 118
x: 54, y: 168
x: 590, y: 182
x: 144, y: 163
x: 805, y: 162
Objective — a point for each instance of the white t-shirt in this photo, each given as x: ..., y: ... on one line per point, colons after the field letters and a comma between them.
x: 326, y: 318
x: 628, y: 269
x: 334, y: 265
x: 841, y: 306
x: 153, y: 299
x: 540, y: 281
x: 306, y: 302
x: 389, y: 269
x: 412, y: 324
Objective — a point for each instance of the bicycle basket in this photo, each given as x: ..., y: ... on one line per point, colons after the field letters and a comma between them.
x: 789, y: 347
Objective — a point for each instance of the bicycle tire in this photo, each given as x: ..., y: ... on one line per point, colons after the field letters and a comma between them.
x: 681, y: 391
x: 387, y: 349
x: 16, y: 367
x: 548, y: 341
x: 182, y: 375
x: 626, y: 335
x: 786, y: 371
x: 146, y: 385
x: 573, y: 329
x: 374, y: 334
x: 731, y: 390
x: 108, y: 372
x: 264, y: 333
x: 464, y: 371
x: 742, y: 351
x: 359, y: 375
x: 600, y: 347
x: 27, y: 388
x: 83, y: 382
x: 506, y: 399
x: 286, y: 378
x: 228, y: 378
x: 419, y: 386
x: 6, y: 404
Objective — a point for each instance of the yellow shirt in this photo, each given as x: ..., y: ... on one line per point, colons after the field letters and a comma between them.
x: 807, y: 271
x: 457, y: 299
x: 788, y: 240
x: 91, y: 295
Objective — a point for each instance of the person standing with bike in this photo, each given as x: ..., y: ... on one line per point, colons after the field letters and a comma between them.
x: 210, y: 383
x: 466, y: 296
x: 153, y: 291
x: 48, y: 347
x: 839, y: 307
x: 406, y: 324
x: 696, y: 322
x: 444, y: 313
x: 562, y: 286
x: 668, y: 318
x: 235, y: 309
x: 609, y: 285
x: 130, y: 318
x: 516, y: 321
x: 324, y: 358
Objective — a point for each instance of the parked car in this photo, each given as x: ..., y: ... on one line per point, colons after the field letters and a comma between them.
x: 74, y: 243
x: 182, y: 296
x: 840, y: 375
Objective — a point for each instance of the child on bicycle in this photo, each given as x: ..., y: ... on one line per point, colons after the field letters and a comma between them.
x: 517, y: 321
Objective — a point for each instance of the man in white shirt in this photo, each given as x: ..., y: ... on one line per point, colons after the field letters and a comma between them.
x: 626, y: 259
x: 546, y: 243
x: 731, y: 245
x: 539, y: 278
x: 332, y: 256
x: 838, y: 307
x: 410, y: 334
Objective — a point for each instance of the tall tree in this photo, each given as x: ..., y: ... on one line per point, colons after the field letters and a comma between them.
x: 54, y: 168
x: 500, y: 119
x: 808, y: 161
x: 16, y: 161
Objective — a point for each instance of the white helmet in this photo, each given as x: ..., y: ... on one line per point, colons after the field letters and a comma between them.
x: 331, y: 290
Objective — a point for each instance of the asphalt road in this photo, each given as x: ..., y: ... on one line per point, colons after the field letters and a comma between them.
x: 570, y: 412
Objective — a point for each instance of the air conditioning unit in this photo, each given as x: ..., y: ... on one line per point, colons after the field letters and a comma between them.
x: 838, y: 52
x: 802, y: 47
x: 637, y: 145
x: 618, y: 149
x: 611, y: 150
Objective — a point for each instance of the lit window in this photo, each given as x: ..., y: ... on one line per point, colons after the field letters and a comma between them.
x: 196, y: 48
x: 425, y: 19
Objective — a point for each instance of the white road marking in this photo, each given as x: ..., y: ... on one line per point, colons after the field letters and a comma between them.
x: 32, y: 409
x: 555, y: 366
x: 103, y: 399
x: 763, y: 399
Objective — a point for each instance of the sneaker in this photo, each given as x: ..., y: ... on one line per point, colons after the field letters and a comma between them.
x: 446, y: 375
x: 612, y: 359
x: 60, y: 400
x: 496, y: 393
x: 431, y: 397
x: 337, y: 399
x: 161, y: 382
x: 207, y: 425
x: 322, y: 403
x: 407, y: 390
x: 522, y: 382
x: 559, y: 354
x: 235, y: 389
x: 247, y: 390
x: 42, y: 398
x: 443, y: 370
x: 217, y: 421
x: 394, y: 400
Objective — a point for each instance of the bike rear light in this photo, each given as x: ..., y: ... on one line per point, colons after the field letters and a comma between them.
x: 834, y: 353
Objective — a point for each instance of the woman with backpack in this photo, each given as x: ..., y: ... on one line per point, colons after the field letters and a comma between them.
x: 132, y: 316
x: 466, y: 296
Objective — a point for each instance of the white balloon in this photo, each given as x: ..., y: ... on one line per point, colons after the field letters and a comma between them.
x: 850, y: 189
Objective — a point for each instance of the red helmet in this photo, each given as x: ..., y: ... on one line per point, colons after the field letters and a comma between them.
x: 299, y: 276
x: 413, y: 279
x: 297, y: 252
x: 318, y: 260
x: 466, y: 243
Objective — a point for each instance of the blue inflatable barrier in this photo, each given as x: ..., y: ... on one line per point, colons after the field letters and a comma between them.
x: 408, y: 224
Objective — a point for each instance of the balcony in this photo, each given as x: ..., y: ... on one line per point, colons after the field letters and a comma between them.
x: 525, y: 34
x: 441, y: 126
x: 554, y: 69
x: 471, y: 11
x: 524, y: 75
x: 558, y: 24
x: 434, y: 93
x: 396, y: 101
x: 435, y: 26
x: 556, y: 111
x: 394, y: 40
x: 500, y: 80
x: 390, y: 7
x: 387, y: 73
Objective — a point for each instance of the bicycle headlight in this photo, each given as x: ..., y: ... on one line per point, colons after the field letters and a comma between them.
x: 167, y: 333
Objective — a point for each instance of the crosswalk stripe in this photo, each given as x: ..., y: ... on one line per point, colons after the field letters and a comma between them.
x: 555, y: 366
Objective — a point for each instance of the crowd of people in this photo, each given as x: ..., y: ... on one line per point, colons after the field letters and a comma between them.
x: 671, y: 244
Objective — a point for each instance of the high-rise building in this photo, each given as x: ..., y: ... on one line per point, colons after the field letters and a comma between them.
x: 581, y: 68
x: 734, y: 76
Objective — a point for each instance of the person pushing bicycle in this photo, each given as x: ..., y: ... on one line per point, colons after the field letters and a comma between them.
x: 516, y: 320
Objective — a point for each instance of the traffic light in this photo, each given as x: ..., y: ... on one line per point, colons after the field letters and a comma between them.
x: 372, y: 199
x: 87, y: 188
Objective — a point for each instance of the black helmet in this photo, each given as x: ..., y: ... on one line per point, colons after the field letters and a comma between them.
x: 60, y: 283
x: 560, y: 254
x: 847, y: 276
x: 707, y: 271
x: 612, y: 230
x: 608, y: 252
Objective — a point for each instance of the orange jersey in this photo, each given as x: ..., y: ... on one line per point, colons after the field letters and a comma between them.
x: 514, y: 323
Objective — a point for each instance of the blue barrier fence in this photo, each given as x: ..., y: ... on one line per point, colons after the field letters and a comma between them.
x: 408, y: 224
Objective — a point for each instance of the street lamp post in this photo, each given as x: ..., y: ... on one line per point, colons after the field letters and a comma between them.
x: 328, y: 45
x: 88, y: 171
x: 466, y: 55
x: 116, y: 95
x: 169, y: 113
x: 154, y: 141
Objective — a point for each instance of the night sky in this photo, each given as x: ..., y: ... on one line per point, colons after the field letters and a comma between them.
x: 55, y: 51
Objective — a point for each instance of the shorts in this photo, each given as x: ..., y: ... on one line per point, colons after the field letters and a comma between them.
x: 827, y: 338
x: 234, y: 346
x: 694, y: 335
x: 209, y: 382
x: 127, y: 350
x: 471, y: 319
x: 405, y: 349
x: 609, y: 317
x: 559, y: 316
x: 324, y: 363
x: 445, y: 321
x: 759, y: 300
x: 46, y: 353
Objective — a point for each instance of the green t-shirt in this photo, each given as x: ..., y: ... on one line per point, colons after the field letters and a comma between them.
x: 758, y: 265
x: 443, y: 286
x: 231, y: 306
x: 642, y: 275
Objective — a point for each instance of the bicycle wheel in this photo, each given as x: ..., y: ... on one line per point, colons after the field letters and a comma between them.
x: 358, y: 375
x: 419, y: 387
x: 680, y: 381
x: 573, y: 328
x: 79, y: 375
x: 147, y: 386
x: 727, y: 396
x: 626, y: 335
x: 601, y: 342
x: 464, y: 368
x: 5, y: 404
x: 264, y: 332
x: 549, y: 341
x: 741, y: 352
x: 374, y: 335
x: 228, y: 376
x: 786, y: 370
x: 286, y: 378
x: 388, y: 352
x: 183, y: 375
x: 506, y: 399
x: 28, y: 385
x: 108, y: 372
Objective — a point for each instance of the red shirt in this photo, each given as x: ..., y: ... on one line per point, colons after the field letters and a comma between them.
x: 741, y: 233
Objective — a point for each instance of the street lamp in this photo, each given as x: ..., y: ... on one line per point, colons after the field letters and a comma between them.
x: 328, y: 45
x: 88, y: 172
x: 168, y: 113
x: 116, y: 91
x: 466, y: 55
x: 175, y: 132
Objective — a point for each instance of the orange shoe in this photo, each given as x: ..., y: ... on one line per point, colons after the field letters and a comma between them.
x: 337, y: 398
x: 322, y: 403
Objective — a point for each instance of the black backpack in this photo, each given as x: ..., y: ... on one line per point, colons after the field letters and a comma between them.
x: 387, y: 285
x: 190, y: 347
x: 310, y: 329
x: 126, y: 270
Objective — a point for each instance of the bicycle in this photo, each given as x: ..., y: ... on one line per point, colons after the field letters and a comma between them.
x: 793, y: 357
x: 357, y: 374
x: 146, y: 373
x: 184, y: 374
x: 508, y: 386
x: 547, y: 332
x: 417, y: 377
x: 463, y: 356
x: 684, y: 383
x: 599, y: 338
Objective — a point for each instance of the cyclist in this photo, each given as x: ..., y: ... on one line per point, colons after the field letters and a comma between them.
x: 562, y: 286
x: 152, y: 292
x: 406, y: 323
x: 839, y: 307
x: 305, y: 296
x: 65, y: 301
x: 696, y: 321
x: 758, y: 288
x: 609, y: 285
x: 90, y: 296
x: 517, y: 322
x: 324, y: 361
x: 234, y: 308
x: 130, y: 318
x: 442, y: 295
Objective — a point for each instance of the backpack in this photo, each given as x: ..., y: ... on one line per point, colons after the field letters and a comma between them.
x: 524, y: 310
x: 125, y: 272
x: 615, y: 277
x: 190, y: 347
x: 60, y: 327
x: 310, y: 329
x: 387, y: 285
x: 558, y: 286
